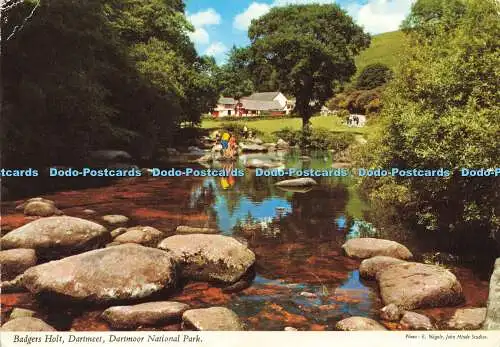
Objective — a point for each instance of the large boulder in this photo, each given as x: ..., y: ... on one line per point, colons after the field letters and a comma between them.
x: 415, y: 321
x: 184, y: 229
x: 368, y: 247
x: 297, y: 182
x: 16, y: 261
x: 53, y: 237
x: 467, y: 319
x: 150, y: 313
x: 123, y: 272
x: 212, y: 319
x: 143, y: 235
x: 209, y: 257
x: 369, y: 267
x: 492, y: 321
x: 415, y: 285
x: 359, y: 324
x: 41, y: 209
x: 26, y: 324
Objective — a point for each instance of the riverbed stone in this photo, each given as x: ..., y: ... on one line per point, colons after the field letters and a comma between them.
x: 297, y: 182
x: 41, y: 209
x: 16, y: 261
x: 115, y: 219
x: 21, y: 312
x: 22, y: 206
x: 184, y: 229
x: 391, y: 313
x: 26, y: 324
x: 467, y: 319
x: 123, y: 272
x: 143, y: 235
x: 252, y: 148
x: 255, y: 163
x: 150, y: 313
x: 367, y: 247
x: 415, y: 321
x: 118, y: 231
x: 414, y: 285
x: 359, y: 324
x: 369, y: 267
x: 492, y: 321
x: 209, y: 257
x: 212, y: 319
x: 53, y: 237
x: 282, y: 144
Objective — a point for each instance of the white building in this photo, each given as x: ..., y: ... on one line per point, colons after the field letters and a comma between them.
x: 270, y: 103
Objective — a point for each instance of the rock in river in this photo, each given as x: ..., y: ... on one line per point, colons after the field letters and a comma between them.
x: 369, y: 267
x: 359, y: 324
x: 492, y: 321
x: 209, y: 257
x: 143, y: 235
x: 252, y: 148
x: 467, y: 319
x: 415, y: 321
x: 367, y: 247
x: 53, y: 237
x: 16, y: 261
x: 391, y: 313
x: 115, y: 219
x: 150, y: 313
x: 26, y: 324
x: 297, y: 182
x: 184, y: 229
x: 414, y: 285
x: 116, y: 273
x: 211, y: 319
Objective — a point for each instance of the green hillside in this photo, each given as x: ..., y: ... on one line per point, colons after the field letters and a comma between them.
x: 385, y: 48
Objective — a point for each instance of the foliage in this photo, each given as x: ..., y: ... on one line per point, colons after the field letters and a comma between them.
x: 442, y: 111
x: 95, y: 74
x: 358, y: 101
x: 373, y: 76
x: 234, y: 77
x: 320, y: 138
x: 311, y: 50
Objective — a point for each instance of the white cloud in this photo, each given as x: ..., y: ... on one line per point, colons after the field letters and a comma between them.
x: 255, y: 10
x: 216, y: 49
x: 379, y: 16
x: 203, y: 18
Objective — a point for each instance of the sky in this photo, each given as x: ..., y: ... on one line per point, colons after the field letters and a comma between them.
x: 220, y: 24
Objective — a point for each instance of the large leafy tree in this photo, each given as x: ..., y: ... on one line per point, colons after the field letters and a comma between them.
x: 311, y: 50
x: 235, y: 77
x: 442, y: 110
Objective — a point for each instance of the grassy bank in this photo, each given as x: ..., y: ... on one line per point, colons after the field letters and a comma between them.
x: 385, y: 48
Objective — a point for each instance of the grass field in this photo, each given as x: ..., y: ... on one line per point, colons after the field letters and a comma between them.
x: 268, y: 126
x: 385, y: 48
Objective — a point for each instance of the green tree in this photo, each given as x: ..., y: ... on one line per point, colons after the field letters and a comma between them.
x: 373, y: 76
x: 234, y: 77
x: 311, y: 49
x: 442, y: 110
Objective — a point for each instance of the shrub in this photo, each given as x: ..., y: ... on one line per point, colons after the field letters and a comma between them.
x: 321, y: 138
x: 373, y: 76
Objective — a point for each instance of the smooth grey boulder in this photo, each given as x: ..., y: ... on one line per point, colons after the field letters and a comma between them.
x: 416, y: 321
x: 467, y: 319
x: 367, y: 247
x: 255, y: 163
x: 297, y: 182
x: 26, y: 324
x: 15, y: 261
x: 212, y: 319
x: 115, y: 219
x: 143, y: 235
x: 150, y: 313
x: 359, y: 324
x: 371, y: 266
x: 492, y: 321
x: 53, y: 237
x: 209, y: 257
x: 123, y: 272
x: 414, y: 285
x: 109, y: 156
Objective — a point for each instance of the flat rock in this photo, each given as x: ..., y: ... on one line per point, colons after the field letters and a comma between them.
x: 22, y: 206
x: 21, y: 312
x: 369, y: 267
x: 252, y: 148
x: 359, y: 324
x: 53, y: 237
x: 41, y: 209
x: 492, y: 321
x: 212, y: 319
x: 255, y: 163
x: 209, y: 257
x: 26, y: 324
x: 415, y: 321
x: 16, y: 261
x: 415, y: 285
x: 184, y: 229
x: 391, y: 313
x: 105, y: 155
x: 150, y: 313
x: 115, y: 219
x: 124, y: 272
x: 297, y: 182
x: 467, y: 319
x: 143, y: 235
x: 368, y: 247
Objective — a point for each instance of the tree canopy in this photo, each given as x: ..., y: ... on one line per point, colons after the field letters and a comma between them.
x: 373, y: 76
x: 309, y: 49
